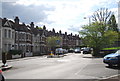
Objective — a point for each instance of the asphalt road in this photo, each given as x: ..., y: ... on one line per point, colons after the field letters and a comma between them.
x: 72, y: 66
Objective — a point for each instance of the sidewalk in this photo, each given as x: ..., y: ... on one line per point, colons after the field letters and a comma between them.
x: 111, y: 78
x: 17, y: 59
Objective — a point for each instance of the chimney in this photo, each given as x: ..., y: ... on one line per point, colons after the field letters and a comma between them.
x: 16, y: 20
x: 71, y: 34
x: 37, y: 27
x: 23, y: 24
x: 53, y: 30
x: 65, y: 33
x: 44, y: 28
x: 32, y: 24
x: 60, y: 32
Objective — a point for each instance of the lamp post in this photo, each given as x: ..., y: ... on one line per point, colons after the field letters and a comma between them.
x: 89, y: 17
x: 0, y: 40
x: 1, y: 31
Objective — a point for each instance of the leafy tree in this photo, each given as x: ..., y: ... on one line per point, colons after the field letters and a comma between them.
x: 53, y: 42
x: 96, y: 36
x: 112, y: 25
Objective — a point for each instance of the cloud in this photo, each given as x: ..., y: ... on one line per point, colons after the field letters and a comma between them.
x: 58, y: 14
x: 27, y: 14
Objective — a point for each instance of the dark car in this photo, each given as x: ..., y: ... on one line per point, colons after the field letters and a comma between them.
x: 86, y: 50
x: 112, y: 59
x: 1, y: 76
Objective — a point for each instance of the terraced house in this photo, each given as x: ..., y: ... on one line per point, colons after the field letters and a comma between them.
x: 30, y: 39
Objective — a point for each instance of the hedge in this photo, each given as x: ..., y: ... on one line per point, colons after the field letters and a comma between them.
x: 112, y: 48
x: 15, y: 52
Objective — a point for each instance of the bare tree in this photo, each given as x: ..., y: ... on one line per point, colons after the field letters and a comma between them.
x: 102, y: 15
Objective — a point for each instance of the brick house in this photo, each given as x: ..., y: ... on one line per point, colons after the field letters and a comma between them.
x: 30, y: 39
x: 23, y: 38
x: 39, y: 40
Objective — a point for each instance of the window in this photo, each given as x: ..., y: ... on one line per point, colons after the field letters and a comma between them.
x: 9, y: 46
x: 13, y: 35
x: 5, y: 45
x: 5, y: 33
x: 9, y: 34
x: 16, y: 35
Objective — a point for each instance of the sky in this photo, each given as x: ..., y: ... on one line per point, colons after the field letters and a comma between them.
x: 65, y: 15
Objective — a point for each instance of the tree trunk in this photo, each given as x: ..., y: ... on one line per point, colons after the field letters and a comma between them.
x: 96, y: 52
x: 4, y: 58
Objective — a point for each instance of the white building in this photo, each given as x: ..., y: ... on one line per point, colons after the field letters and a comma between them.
x: 8, y: 35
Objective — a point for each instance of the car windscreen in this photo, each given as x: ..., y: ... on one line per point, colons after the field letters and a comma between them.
x: 118, y: 52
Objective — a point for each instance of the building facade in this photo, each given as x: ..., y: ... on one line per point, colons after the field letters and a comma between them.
x: 23, y: 38
x: 30, y: 39
x: 8, y: 35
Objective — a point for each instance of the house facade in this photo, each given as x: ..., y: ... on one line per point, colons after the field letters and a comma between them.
x: 8, y: 35
x: 30, y: 39
x: 23, y: 38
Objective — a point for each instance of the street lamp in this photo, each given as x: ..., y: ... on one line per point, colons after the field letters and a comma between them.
x: 89, y: 17
x: 0, y: 40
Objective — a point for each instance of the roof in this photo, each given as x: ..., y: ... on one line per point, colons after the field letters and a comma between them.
x: 7, y: 23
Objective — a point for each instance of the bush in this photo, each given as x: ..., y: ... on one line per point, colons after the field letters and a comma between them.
x: 15, y: 52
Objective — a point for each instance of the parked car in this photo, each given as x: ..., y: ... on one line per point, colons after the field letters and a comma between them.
x: 65, y: 51
x: 1, y: 76
x: 71, y: 50
x: 59, y: 51
x: 112, y: 59
x: 86, y: 50
x: 77, y: 50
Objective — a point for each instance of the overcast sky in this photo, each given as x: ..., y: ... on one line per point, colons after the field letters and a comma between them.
x: 65, y: 15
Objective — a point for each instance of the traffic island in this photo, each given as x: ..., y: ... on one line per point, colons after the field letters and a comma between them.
x: 55, y: 56
x: 5, y: 67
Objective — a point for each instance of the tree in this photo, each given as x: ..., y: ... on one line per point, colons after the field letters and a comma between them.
x: 95, y: 36
x: 53, y: 42
x: 4, y: 58
x: 112, y: 25
x: 102, y: 15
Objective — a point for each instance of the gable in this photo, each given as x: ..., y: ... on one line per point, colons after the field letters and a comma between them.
x: 8, y: 24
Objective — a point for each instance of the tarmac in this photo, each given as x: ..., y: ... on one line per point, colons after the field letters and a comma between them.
x: 8, y: 67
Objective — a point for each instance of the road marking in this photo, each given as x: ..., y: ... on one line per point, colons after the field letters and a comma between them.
x: 80, y: 69
x: 111, y: 76
x: 63, y: 60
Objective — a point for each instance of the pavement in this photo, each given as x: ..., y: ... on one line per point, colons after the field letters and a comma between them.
x: 11, y: 60
x: 111, y: 78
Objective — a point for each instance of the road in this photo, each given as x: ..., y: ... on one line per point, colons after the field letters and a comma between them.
x: 72, y: 66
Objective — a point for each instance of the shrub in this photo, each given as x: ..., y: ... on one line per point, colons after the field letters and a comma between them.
x: 15, y: 52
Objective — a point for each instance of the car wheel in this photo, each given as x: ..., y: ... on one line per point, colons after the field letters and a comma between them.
x: 110, y: 65
x: 119, y: 65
